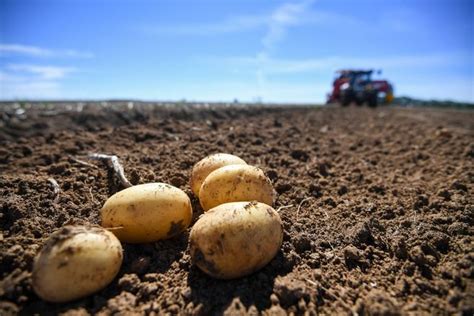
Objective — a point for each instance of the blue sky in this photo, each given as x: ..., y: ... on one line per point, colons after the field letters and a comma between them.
x: 279, y: 51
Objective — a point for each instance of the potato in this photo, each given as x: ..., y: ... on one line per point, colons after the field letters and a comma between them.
x: 147, y: 212
x: 205, y: 166
x: 235, y: 183
x: 76, y: 261
x: 236, y: 239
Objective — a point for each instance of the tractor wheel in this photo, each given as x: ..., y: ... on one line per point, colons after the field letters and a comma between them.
x: 372, y: 100
x: 346, y: 98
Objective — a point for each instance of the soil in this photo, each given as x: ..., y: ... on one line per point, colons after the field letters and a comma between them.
x: 376, y: 204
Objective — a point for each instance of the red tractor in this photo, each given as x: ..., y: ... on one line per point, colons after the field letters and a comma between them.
x: 357, y: 86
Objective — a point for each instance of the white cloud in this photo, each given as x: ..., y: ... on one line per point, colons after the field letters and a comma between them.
x: 21, y: 80
x: 43, y: 72
x: 284, y: 16
x: 32, y: 81
x: 22, y: 49
x: 35, y: 51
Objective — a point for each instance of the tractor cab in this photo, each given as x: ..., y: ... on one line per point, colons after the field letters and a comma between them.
x: 356, y: 78
x: 357, y: 86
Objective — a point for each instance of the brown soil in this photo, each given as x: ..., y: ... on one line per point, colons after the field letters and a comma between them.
x: 377, y: 206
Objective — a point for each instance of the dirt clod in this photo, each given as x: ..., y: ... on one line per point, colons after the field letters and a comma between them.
x: 289, y: 291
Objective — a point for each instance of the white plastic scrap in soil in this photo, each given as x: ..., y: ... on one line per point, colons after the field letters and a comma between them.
x: 56, y: 188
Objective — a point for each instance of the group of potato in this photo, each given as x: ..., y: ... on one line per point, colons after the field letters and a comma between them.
x: 238, y: 233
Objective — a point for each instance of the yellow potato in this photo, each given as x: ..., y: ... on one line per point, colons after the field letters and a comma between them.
x: 207, y: 165
x: 236, y: 239
x: 235, y: 183
x: 147, y: 212
x: 76, y: 261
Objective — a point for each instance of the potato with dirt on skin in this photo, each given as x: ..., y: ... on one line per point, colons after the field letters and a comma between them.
x: 207, y: 165
x: 235, y: 239
x: 147, y: 212
x: 76, y: 261
x: 235, y: 183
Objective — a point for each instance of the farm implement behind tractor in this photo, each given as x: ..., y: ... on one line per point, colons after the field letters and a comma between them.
x: 357, y: 86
